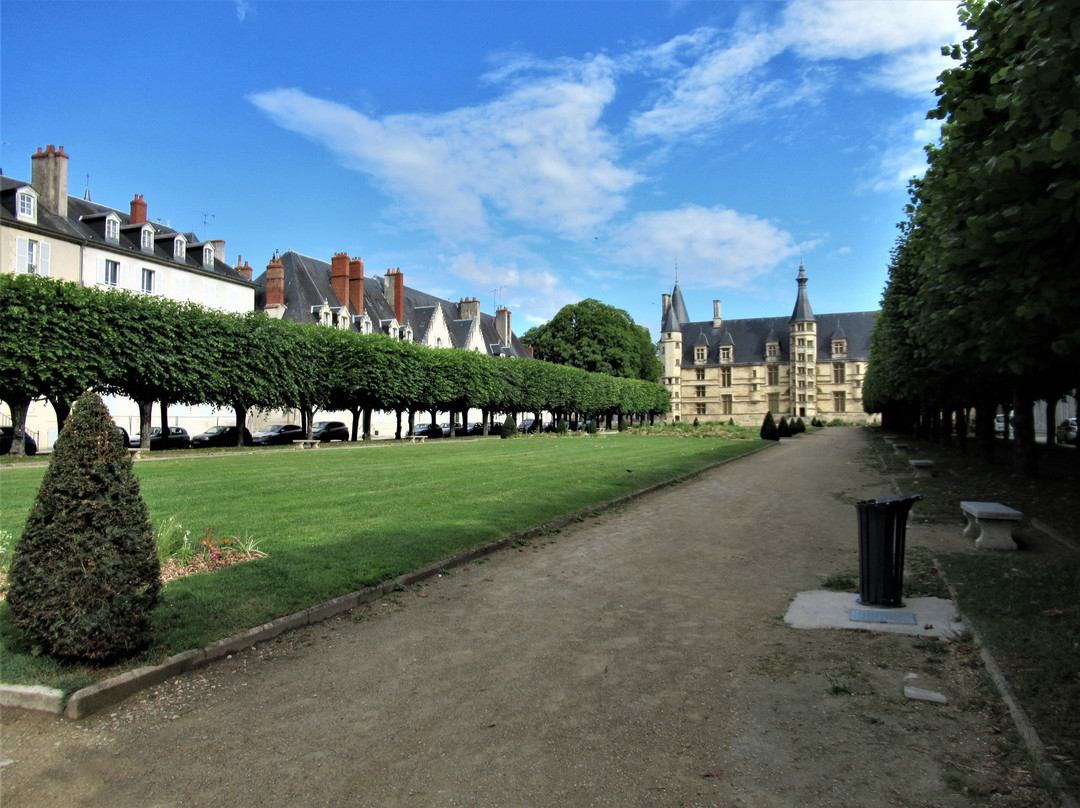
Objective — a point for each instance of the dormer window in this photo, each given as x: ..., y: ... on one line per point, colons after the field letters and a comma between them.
x: 725, y: 353
x: 26, y: 206
x: 363, y: 322
x: 699, y: 353
x: 112, y: 229
x: 208, y: 257
x: 146, y: 239
x: 179, y: 248
x: 772, y: 350
x: 839, y: 347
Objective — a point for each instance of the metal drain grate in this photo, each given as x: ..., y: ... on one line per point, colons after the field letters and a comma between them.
x: 881, y: 616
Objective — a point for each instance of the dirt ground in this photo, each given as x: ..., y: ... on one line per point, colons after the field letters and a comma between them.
x: 639, y: 658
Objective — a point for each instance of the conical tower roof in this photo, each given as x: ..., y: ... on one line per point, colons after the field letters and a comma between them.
x: 802, y: 312
x: 678, y: 306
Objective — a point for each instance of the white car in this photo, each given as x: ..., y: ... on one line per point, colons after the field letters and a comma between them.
x: 1066, y: 431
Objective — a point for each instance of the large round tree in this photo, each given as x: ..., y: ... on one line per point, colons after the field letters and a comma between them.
x: 85, y: 573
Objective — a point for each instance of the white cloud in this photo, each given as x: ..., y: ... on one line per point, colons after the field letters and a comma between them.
x: 536, y: 155
x: 713, y: 246
x: 535, y: 294
x: 907, y: 157
x: 243, y: 8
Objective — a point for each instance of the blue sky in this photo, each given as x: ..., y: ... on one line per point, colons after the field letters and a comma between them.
x: 526, y: 153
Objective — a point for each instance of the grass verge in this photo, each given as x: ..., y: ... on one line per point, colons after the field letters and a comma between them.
x: 335, y: 521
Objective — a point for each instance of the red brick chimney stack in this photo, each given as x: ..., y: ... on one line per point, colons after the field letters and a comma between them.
x: 395, y: 293
x: 339, y: 277
x: 275, y: 283
x: 49, y: 179
x: 356, y: 285
x: 138, y: 210
x: 243, y: 267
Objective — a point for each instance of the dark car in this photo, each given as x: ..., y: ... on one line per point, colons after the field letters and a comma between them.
x: 475, y: 428
x: 278, y: 434
x: 176, y: 438
x: 7, y: 437
x: 329, y: 430
x: 526, y: 425
x: 219, y: 436
x: 427, y: 430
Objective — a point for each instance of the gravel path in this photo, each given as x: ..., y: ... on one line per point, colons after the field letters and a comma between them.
x: 639, y: 658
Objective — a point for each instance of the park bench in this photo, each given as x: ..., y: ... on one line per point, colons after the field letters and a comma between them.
x: 922, y: 468
x: 136, y: 454
x: 990, y: 524
x: 415, y: 438
x: 899, y: 448
x: 306, y: 443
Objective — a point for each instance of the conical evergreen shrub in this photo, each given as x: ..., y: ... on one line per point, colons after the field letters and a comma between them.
x: 509, y: 428
x: 85, y: 573
x: 768, y: 428
x: 798, y: 426
x: 784, y: 428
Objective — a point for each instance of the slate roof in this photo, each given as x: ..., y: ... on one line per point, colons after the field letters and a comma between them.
x: 748, y: 337
x: 85, y: 222
x: 307, y: 285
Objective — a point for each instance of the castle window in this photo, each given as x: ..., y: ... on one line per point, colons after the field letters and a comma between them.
x: 838, y: 373
x: 725, y: 353
x: 839, y: 347
x: 699, y: 354
x: 774, y: 402
x: 839, y: 399
x: 725, y: 404
x: 725, y: 377
x: 772, y: 350
x: 773, y: 374
x: 699, y: 391
x: 700, y: 409
x: 701, y: 374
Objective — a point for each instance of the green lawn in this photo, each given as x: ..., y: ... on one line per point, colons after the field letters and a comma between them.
x: 339, y: 519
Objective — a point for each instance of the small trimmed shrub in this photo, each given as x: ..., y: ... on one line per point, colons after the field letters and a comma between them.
x: 85, y: 574
x: 784, y: 428
x: 561, y: 427
x: 509, y: 428
x: 798, y: 427
x: 696, y: 424
x: 768, y: 428
x: 624, y: 423
x: 590, y: 426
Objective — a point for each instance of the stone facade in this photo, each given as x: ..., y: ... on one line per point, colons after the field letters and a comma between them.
x: 805, y: 365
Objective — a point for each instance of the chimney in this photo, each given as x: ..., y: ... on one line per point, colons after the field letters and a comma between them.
x: 275, y: 284
x: 339, y: 277
x: 530, y: 350
x: 667, y: 305
x: 716, y: 321
x: 219, y: 249
x: 502, y: 324
x: 470, y: 309
x: 395, y: 293
x: 356, y: 285
x: 138, y: 210
x: 49, y: 179
x: 244, y: 269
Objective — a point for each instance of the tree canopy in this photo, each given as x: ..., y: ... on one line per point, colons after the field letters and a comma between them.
x: 598, y: 338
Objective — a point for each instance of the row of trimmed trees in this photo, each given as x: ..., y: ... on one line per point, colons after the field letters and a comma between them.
x: 59, y: 339
x: 982, y: 309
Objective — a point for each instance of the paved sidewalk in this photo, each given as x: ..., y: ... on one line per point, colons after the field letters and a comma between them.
x: 639, y: 658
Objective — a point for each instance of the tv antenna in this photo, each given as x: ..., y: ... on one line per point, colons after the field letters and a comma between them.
x: 206, y: 218
x: 496, y: 295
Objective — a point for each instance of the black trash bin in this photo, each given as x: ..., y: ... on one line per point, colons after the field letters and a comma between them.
x: 882, y: 529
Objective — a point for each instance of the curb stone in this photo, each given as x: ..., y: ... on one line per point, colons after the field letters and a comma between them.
x: 108, y: 692
x: 1023, y: 724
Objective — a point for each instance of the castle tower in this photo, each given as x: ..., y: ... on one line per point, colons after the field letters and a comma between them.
x: 803, y: 353
x: 673, y: 318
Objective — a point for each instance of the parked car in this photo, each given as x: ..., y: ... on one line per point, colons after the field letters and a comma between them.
x: 7, y: 438
x: 219, y: 436
x: 999, y: 423
x: 1066, y: 431
x: 176, y: 438
x: 278, y: 433
x: 458, y: 429
x: 526, y: 425
x: 475, y: 428
x: 427, y: 430
x: 329, y: 430
x: 124, y: 435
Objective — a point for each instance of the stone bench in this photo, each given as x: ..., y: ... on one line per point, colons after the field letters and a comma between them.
x: 136, y: 454
x: 990, y: 524
x: 306, y: 443
x: 417, y: 438
x: 922, y: 468
x: 899, y: 448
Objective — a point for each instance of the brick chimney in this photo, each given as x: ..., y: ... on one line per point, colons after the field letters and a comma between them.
x: 49, y: 179
x: 275, y: 287
x: 394, y: 287
x: 138, y: 210
x: 716, y: 319
x: 219, y: 249
x: 502, y: 324
x: 356, y: 285
x: 339, y: 277
x: 243, y: 268
x: 470, y: 309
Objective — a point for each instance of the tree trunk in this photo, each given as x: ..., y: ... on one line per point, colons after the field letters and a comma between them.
x: 355, y: 432
x: 367, y: 423
x: 62, y: 408
x: 412, y: 422
x: 485, y: 415
x: 164, y: 418
x: 984, y: 428
x: 241, y: 422
x: 961, y: 429
x: 397, y: 424
x: 1025, y: 458
x: 1051, y: 422
x: 145, y: 419
x: 18, y: 409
